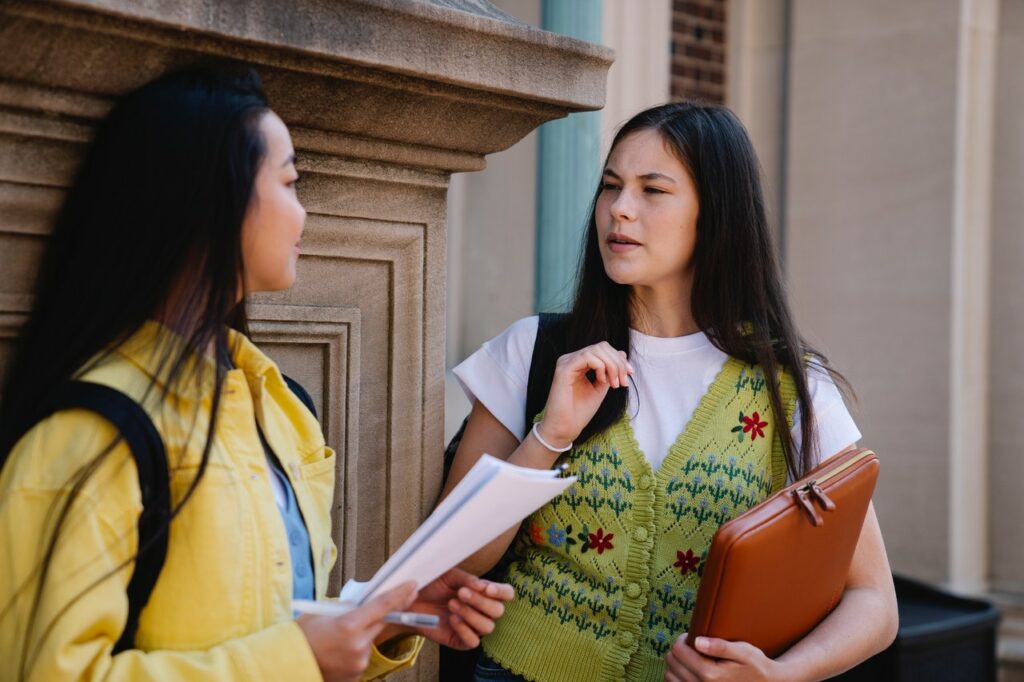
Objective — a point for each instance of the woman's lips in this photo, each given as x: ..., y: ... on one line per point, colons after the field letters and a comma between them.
x: 620, y: 243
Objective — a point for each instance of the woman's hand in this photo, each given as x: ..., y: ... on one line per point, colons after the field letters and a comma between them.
x: 573, y: 399
x: 466, y: 605
x: 342, y: 644
x: 719, y: 660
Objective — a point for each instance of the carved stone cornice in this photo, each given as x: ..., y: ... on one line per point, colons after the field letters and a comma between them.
x: 435, y: 84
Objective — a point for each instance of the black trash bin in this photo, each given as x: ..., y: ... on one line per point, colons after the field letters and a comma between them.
x: 942, y: 638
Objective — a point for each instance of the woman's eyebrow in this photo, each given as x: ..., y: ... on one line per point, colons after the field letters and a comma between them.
x: 645, y: 176
x: 657, y: 176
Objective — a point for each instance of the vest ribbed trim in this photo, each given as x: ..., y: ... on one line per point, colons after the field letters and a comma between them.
x: 638, y: 562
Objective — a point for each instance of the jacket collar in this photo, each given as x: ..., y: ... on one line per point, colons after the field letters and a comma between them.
x: 154, y: 347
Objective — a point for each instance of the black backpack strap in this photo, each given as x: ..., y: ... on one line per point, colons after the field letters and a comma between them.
x: 301, y: 393
x: 147, y: 449
x: 547, y: 348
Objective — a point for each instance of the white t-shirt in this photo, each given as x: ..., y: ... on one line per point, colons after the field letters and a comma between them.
x: 671, y: 376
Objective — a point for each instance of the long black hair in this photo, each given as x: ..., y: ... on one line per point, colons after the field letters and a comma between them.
x: 151, y: 227
x: 738, y: 298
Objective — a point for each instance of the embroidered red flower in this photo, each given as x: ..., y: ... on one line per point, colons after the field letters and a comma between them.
x: 754, y: 426
x: 600, y: 541
x: 536, y: 534
x: 686, y: 562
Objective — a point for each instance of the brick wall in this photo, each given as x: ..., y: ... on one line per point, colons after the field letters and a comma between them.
x: 698, y: 49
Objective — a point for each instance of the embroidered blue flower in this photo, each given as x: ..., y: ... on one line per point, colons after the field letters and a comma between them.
x: 556, y: 536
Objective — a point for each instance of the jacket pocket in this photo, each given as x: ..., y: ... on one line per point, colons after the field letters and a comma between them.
x: 318, y: 479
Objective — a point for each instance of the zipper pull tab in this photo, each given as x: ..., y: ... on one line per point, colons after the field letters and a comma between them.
x: 824, y: 500
x: 801, y: 496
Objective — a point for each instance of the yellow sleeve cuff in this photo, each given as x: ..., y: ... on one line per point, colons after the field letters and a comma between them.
x: 394, y: 655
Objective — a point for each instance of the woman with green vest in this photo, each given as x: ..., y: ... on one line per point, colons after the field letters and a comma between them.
x: 683, y: 397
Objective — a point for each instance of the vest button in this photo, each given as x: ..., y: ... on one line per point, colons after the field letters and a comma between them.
x: 645, y: 482
x: 640, y: 534
x: 626, y: 639
x: 632, y: 590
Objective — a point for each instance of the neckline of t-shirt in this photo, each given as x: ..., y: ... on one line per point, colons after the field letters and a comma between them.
x: 671, y: 345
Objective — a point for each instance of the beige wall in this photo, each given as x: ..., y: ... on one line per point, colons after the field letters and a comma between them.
x: 1007, y: 365
x: 871, y: 180
x: 903, y: 152
x: 491, y: 227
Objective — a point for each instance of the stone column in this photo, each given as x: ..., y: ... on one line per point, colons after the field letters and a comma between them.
x: 756, y: 88
x: 640, y: 33
x: 385, y: 99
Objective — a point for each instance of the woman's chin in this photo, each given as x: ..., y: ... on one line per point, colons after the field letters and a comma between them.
x: 620, y: 277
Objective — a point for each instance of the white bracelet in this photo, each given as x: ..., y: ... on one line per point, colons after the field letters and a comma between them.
x: 549, y: 446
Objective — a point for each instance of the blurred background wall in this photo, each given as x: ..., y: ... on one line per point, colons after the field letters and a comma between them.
x: 892, y: 143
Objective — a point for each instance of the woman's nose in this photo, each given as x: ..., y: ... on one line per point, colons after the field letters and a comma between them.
x: 624, y: 207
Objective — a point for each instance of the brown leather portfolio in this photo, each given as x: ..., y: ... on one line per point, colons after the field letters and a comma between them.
x: 774, y: 572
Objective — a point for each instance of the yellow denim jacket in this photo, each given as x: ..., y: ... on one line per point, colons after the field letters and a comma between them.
x: 221, y: 608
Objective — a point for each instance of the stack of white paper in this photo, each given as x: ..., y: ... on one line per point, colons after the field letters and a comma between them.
x: 493, y: 497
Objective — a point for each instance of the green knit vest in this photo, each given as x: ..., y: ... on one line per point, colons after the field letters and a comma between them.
x: 606, y: 574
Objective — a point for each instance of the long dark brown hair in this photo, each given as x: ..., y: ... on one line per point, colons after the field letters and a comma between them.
x: 738, y: 297
x: 151, y: 226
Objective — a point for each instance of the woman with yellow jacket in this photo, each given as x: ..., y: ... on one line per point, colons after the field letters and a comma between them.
x: 184, y: 204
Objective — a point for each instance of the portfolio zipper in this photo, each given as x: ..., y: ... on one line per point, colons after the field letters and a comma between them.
x: 835, y: 472
x: 812, y: 489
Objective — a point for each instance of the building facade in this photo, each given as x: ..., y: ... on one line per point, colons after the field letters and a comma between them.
x: 892, y: 148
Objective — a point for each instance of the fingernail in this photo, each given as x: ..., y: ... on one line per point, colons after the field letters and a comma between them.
x: 702, y: 643
x: 465, y: 594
